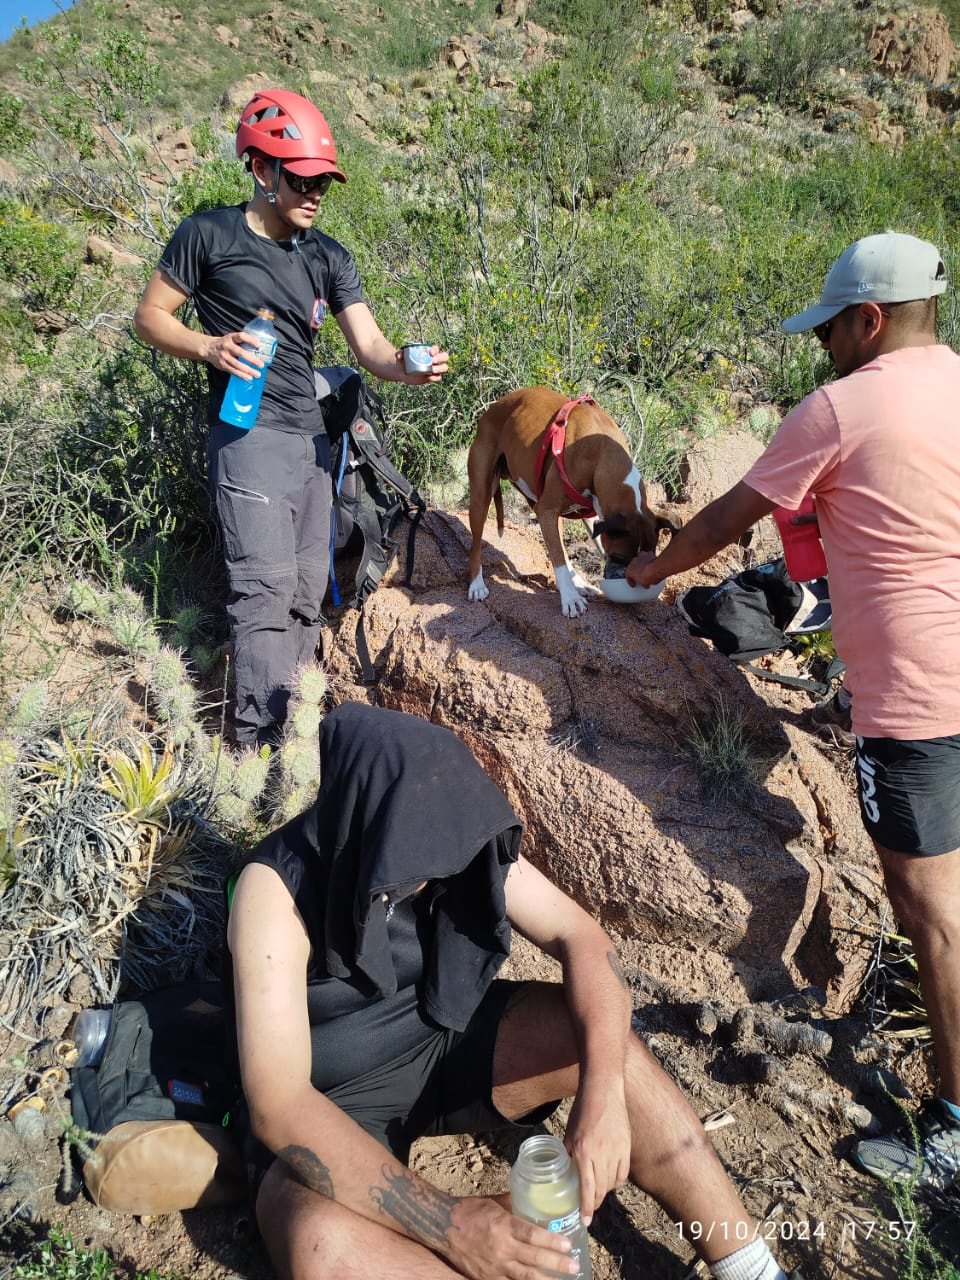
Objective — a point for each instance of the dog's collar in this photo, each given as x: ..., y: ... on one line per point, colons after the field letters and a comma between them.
x: 552, y: 445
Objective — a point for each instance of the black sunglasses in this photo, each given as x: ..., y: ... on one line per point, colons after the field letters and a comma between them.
x: 318, y: 182
x: 822, y: 331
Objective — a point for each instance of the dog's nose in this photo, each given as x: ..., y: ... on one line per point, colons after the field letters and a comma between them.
x: 616, y: 567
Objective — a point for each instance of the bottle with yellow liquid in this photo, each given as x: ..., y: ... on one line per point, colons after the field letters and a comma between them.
x: 545, y: 1189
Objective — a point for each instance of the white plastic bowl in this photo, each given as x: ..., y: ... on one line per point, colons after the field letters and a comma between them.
x: 620, y: 591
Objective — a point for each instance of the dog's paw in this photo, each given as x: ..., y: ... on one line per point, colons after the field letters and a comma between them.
x: 584, y: 587
x: 478, y: 589
x: 573, y: 606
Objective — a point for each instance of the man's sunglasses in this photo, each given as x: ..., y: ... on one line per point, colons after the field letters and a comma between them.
x: 318, y: 183
x: 822, y: 331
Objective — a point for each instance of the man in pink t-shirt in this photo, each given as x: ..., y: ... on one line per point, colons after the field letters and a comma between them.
x: 880, y: 450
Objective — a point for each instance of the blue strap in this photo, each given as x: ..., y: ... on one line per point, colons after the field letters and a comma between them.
x: 344, y: 444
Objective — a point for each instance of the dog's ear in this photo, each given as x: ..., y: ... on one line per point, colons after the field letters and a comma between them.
x: 664, y: 522
x: 615, y: 526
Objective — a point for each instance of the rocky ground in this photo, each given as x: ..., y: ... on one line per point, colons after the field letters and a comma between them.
x: 747, y: 923
x: 776, y: 1116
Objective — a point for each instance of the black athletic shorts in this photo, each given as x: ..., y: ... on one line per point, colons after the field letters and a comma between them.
x: 910, y: 793
x: 444, y: 1085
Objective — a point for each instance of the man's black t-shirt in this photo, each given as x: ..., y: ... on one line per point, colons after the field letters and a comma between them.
x: 230, y: 272
x: 352, y: 1029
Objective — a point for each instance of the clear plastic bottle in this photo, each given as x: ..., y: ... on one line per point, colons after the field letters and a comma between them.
x: 545, y: 1188
x: 90, y: 1031
x: 241, y: 400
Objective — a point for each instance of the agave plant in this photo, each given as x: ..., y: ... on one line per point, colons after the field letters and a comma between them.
x: 12, y: 840
x: 108, y: 869
x: 143, y: 786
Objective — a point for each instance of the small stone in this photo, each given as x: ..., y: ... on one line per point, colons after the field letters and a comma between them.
x: 30, y: 1126
x: 9, y: 1144
x: 861, y: 1118
x: 707, y: 1021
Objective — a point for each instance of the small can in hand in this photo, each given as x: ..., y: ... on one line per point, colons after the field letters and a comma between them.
x: 417, y: 358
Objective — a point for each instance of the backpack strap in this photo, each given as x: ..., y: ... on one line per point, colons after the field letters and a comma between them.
x: 363, y: 651
x: 794, y: 682
x: 373, y: 453
x: 411, y: 538
x: 836, y: 667
x: 338, y: 485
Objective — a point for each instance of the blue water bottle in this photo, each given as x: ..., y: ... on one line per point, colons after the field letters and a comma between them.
x: 241, y: 400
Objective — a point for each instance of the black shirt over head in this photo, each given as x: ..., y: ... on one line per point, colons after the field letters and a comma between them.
x: 401, y: 801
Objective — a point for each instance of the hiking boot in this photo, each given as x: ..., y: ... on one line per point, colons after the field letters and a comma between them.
x: 833, y: 722
x: 924, y: 1151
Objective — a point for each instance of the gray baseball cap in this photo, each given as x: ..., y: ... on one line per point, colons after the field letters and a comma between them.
x: 891, y: 267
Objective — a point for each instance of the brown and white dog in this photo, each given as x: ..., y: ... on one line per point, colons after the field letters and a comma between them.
x: 594, y: 466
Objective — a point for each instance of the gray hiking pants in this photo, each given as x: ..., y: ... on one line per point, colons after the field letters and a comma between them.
x: 273, y: 495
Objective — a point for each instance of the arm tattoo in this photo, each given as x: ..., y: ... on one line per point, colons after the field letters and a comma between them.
x: 614, y: 962
x: 308, y: 1168
x: 422, y: 1210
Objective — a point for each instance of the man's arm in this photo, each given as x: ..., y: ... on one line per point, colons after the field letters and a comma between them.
x: 376, y: 353
x: 717, y: 525
x: 156, y: 323
x: 323, y: 1147
x: 598, y: 1133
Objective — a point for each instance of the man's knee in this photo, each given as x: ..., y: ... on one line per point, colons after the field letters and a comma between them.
x: 536, y: 1059
x: 312, y: 580
x: 924, y: 891
x: 262, y: 603
x: 306, y: 1235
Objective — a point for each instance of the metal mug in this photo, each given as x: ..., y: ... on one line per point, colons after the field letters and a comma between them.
x: 417, y: 358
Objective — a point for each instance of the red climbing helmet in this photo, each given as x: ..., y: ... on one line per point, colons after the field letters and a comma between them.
x: 290, y: 129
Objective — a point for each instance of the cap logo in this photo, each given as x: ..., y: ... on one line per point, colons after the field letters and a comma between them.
x: 864, y: 287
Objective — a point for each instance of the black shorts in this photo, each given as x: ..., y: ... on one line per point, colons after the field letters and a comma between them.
x: 910, y: 793
x: 443, y: 1086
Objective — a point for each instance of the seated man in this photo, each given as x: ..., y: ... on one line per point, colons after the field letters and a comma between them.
x: 365, y: 936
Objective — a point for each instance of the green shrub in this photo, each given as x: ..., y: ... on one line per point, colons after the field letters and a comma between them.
x: 409, y: 47
x: 217, y: 182
x: 725, y: 747
x: 40, y: 264
x: 104, y: 472
x: 603, y: 29
x: 89, y: 97
x: 58, y: 1258
x: 951, y: 11
x: 15, y: 132
x: 786, y: 60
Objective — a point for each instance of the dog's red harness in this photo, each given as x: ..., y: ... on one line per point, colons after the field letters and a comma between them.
x: 553, y: 442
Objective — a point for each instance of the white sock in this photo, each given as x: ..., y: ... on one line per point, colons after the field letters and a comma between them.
x: 753, y: 1262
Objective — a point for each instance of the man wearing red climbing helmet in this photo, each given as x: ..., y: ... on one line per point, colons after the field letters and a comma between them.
x: 293, y: 139
x: 291, y: 129
x: 271, y: 484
